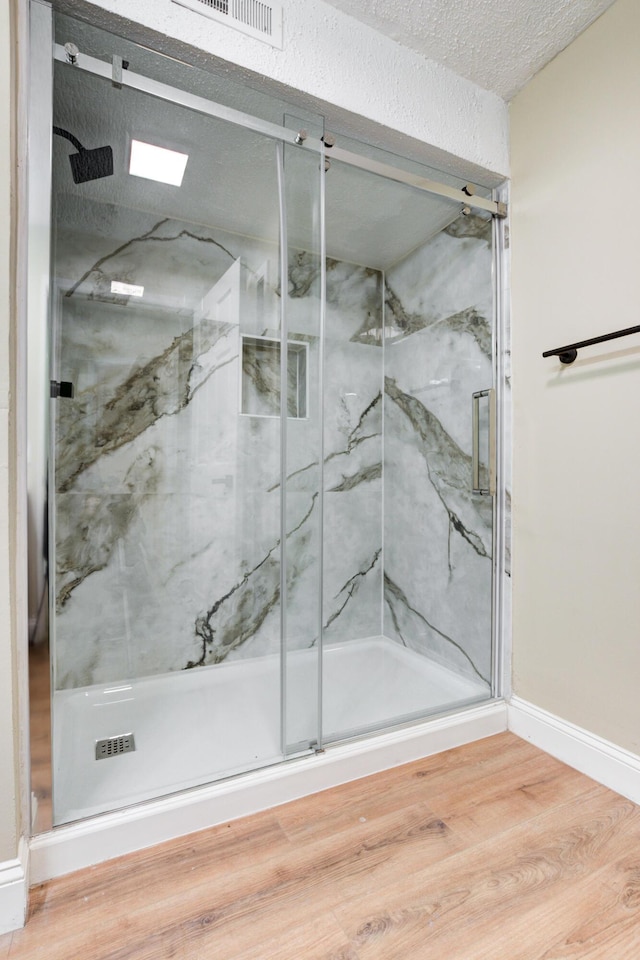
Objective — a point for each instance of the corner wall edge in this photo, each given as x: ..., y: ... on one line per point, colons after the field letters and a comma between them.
x: 603, y: 761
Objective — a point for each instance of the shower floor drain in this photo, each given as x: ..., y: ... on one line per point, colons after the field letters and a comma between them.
x: 112, y: 746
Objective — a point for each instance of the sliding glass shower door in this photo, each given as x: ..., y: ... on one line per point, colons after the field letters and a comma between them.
x: 168, y: 536
x: 273, y: 436
x: 302, y: 467
x: 408, y: 567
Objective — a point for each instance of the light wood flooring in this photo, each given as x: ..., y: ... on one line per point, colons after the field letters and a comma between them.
x: 40, y: 735
x: 490, y: 851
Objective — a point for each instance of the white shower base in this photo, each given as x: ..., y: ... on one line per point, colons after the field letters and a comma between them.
x: 205, y: 724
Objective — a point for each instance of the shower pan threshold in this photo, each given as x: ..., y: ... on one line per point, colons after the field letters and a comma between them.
x: 194, y: 727
x: 84, y: 843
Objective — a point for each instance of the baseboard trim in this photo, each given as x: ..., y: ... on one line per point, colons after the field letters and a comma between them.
x: 101, y: 838
x: 599, y: 759
x: 14, y: 888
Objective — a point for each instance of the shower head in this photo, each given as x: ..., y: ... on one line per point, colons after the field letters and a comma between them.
x: 91, y: 164
x: 87, y: 164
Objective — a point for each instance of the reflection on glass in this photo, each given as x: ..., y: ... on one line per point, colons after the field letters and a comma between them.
x: 167, y: 539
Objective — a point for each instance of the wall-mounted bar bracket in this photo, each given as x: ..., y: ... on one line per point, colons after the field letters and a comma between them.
x: 116, y: 71
x: 72, y: 53
x: 567, y: 356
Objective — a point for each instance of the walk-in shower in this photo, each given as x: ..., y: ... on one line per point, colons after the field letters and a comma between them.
x: 271, y: 486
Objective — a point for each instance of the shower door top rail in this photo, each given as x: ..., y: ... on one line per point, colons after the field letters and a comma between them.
x: 493, y: 207
x: 155, y: 88
x: 125, y: 78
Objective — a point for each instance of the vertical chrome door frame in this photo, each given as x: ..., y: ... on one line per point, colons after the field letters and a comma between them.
x: 290, y: 751
x: 500, y: 606
x: 284, y: 396
x: 40, y: 121
x: 323, y: 309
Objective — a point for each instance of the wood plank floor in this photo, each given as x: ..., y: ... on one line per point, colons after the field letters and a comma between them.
x: 40, y: 735
x: 492, y: 850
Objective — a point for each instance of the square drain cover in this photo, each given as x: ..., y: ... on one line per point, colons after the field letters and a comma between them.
x: 112, y: 746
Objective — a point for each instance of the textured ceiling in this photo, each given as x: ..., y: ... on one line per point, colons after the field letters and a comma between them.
x: 499, y: 44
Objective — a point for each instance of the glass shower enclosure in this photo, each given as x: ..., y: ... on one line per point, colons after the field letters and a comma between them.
x: 271, y: 490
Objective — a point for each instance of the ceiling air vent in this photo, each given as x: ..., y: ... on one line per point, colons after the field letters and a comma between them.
x: 253, y: 17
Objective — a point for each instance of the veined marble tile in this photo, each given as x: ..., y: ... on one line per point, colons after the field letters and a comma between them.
x: 353, y: 455
x: 438, y: 534
x: 168, y: 548
x: 447, y: 281
x: 168, y: 536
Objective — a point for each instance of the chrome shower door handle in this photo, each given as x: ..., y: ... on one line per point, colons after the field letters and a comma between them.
x: 489, y: 488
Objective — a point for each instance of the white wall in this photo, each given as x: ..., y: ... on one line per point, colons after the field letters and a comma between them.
x: 344, y: 66
x: 575, y: 269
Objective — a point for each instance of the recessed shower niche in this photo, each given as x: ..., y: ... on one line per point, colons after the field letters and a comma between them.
x: 261, y: 374
x: 239, y: 581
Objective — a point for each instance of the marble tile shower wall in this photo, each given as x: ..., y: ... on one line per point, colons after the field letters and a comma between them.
x: 167, y: 496
x: 168, y: 460
x: 437, y: 534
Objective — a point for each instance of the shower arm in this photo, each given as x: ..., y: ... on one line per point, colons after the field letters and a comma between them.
x: 94, y: 164
x: 70, y: 137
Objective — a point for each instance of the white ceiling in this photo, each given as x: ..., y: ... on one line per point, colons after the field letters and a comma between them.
x: 499, y: 44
